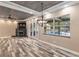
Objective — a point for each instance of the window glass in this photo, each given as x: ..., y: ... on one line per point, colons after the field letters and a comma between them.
x: 58, y: 26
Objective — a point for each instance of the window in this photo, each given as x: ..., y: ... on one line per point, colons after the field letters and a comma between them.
x: 58, y: 26
x: 31, y: 29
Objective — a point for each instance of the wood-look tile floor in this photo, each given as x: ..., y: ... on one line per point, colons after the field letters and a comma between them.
x: 21, y: 47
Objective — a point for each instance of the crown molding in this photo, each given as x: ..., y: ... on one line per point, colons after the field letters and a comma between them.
x: 61, y: 6
x: 18, y: 7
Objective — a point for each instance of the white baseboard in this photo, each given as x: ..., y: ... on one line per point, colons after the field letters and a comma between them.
x: 65, y: 49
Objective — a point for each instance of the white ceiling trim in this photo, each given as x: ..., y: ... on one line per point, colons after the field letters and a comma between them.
x: 60, y: 6
x: 18, y: 7
x: 36, y: 13
x: 57, y: 7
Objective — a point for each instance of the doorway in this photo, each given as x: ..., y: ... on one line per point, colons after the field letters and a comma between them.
x: 21, y: 30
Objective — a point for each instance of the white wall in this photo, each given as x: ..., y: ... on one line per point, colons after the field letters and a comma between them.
x: 7, y: 28
x: 72, y: 42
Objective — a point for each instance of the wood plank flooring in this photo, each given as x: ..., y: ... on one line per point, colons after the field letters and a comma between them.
x: 22, y: 47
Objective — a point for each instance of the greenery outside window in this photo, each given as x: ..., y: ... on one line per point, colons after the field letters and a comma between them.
x: 58, y: 26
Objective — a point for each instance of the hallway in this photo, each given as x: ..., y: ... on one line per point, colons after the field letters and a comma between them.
x: 39, y: 29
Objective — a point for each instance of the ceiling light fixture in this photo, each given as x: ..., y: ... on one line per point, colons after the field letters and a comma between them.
x: 42, y: 14
x: 41, y: 20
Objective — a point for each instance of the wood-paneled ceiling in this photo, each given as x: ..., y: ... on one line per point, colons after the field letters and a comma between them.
x: 34, y: 5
